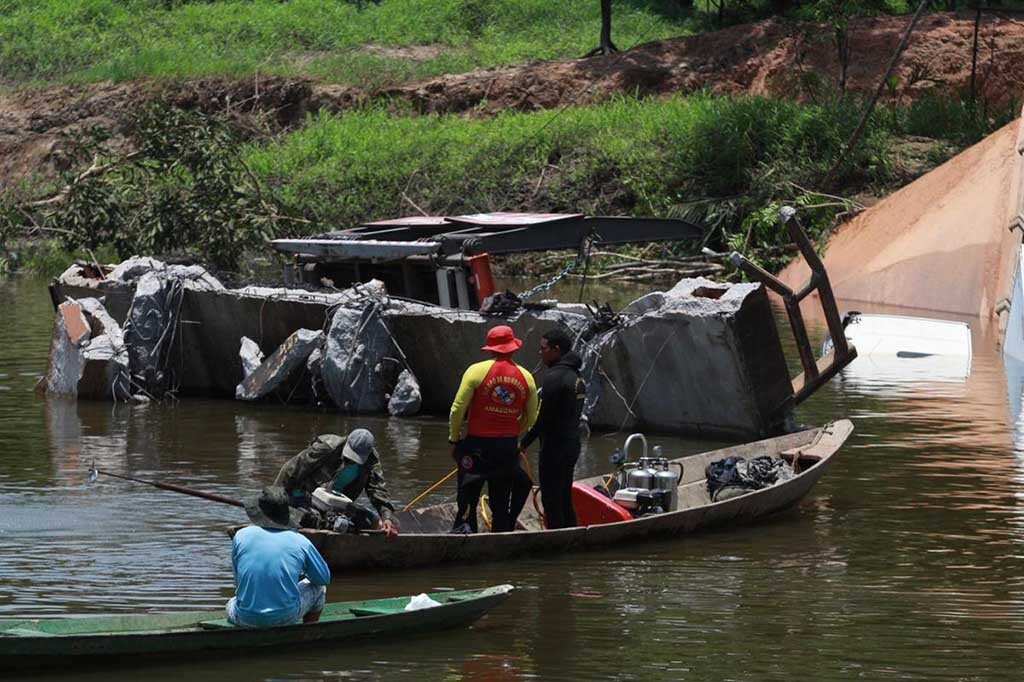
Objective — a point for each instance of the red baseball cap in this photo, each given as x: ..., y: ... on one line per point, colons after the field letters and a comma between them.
x: 502, y: 339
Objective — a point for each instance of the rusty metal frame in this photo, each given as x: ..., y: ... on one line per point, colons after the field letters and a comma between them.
x: 816, y: 372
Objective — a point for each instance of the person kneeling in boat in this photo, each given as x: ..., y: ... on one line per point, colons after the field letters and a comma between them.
x: 349, y: 465
x: 558, y: 427
x: 498, y: 400
x: 280, y: 577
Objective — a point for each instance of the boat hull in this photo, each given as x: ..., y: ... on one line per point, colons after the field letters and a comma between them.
x: 411, y: 549
x: 34, y: 644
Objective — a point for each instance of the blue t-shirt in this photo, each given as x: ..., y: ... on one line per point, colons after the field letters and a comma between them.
x: 268, y: 565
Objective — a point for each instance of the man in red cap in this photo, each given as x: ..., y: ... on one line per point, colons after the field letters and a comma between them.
x: 498, y: 400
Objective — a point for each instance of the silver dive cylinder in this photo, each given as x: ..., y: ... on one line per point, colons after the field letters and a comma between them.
x: 642, y: 476
x: 667, y: 479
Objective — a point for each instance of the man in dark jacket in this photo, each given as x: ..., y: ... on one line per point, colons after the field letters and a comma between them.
x: 557, y: 426
x: 350, y: 465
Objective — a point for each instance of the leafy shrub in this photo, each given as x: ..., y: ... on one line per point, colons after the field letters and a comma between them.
x: 183, y: 191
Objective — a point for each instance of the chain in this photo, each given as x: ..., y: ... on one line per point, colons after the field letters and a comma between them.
x: 544, y: 286
x: 583, y: 254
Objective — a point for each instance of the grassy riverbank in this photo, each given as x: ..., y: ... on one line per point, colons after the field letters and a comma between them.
x: 185, y: 182
x: 335, y: 41
x: 718, y: 160
x: 726, y: 162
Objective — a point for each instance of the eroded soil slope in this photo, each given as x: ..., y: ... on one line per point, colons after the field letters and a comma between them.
x: 769, y: 58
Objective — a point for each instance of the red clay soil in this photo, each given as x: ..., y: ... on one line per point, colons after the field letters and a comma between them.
x: 773, y: 57
x: 941, y: 243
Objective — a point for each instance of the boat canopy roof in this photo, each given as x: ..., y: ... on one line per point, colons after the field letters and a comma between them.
x: 493, y: 233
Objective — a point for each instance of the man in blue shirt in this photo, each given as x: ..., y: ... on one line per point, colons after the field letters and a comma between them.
x: 280, y: 577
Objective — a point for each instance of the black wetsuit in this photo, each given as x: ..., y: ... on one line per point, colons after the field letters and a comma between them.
x: 557, y: 427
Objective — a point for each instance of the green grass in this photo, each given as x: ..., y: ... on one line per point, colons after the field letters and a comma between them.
x: 88, y: 40
x: 719, y: 160
x: 645, y: 157
x: 726, y: 162
x: 91, y: 40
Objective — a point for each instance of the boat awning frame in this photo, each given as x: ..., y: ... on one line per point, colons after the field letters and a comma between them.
x: 356, y: 249
x: 493, y: 233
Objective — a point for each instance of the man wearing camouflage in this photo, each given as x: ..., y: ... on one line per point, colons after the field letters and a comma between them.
x: 351, y: 465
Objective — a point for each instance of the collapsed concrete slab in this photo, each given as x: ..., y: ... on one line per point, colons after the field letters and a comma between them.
x: 281, y: 365
x: 65, y: 362
x: 106, y: 372
x: 701, y: 358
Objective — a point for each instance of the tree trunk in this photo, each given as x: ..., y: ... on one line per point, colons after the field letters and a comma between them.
x: 606, y: 46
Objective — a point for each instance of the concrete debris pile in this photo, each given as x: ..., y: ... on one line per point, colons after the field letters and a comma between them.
x: 701, y: 358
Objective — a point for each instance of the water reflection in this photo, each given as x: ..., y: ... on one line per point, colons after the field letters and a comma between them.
x: 904, y: 563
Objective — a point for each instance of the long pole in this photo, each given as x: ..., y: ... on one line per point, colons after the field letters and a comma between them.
x: 429, y: 490
x: 175, y: 488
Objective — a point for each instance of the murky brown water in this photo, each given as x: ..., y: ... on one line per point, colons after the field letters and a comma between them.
x: 906, y: 562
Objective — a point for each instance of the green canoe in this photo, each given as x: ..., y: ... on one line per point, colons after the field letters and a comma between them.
x: 37, y: 643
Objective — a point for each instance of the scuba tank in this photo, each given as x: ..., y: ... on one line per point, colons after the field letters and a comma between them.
x: 640, y: 477
x: 668, y: 480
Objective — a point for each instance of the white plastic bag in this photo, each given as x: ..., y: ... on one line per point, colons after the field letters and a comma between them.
x: 421, y: 601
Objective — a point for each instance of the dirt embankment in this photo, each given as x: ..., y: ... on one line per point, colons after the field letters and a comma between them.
x: 769, y: 58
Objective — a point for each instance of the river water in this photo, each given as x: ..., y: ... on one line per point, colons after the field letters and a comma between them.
x: 905, y: 562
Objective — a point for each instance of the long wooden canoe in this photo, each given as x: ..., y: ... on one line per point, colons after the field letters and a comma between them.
x: 424, y: 539
x: 43, y: 643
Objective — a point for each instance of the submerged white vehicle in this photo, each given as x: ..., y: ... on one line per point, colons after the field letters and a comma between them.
x: 897, y: 348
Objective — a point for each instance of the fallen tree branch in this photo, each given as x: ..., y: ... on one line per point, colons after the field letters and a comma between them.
x: 95, y: 169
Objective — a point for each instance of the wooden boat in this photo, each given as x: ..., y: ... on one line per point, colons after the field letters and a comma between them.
x: 41, y: 643
x: 425, y: 539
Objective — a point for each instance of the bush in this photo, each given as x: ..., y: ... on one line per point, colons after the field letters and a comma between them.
x: 184, y: 191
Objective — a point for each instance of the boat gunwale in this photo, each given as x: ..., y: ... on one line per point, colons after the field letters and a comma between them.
x: 194, y: 627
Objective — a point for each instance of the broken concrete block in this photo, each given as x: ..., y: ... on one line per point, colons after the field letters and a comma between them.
x: 251, y: 356
x: 360, y: 360
x: 106, y: 374
x: 194, y: 277
x: 134, y: 268
x: 104, y: 368
x: 276, y: 369
x: 87, y: 354
x: 65, y: 363
x: 405, y: 399
x: 653, y: 371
